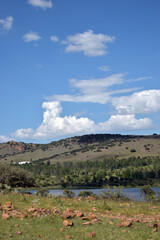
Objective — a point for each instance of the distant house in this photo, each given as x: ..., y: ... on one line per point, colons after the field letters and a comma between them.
x: 23, y: 162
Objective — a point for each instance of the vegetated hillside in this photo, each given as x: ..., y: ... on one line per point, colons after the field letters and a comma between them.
x: 82, y: 148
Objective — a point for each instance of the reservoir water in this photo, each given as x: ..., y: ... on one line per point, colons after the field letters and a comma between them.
x: 132, y: 193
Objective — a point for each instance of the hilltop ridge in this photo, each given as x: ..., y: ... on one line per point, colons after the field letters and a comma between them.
x: 82, y: 148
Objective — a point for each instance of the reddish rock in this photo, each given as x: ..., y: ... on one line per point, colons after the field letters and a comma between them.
x: 31, y: 210
x: 118, y: 225
x: 68, y: 213
x: 87, y: 223
x: 14, y: 213
x: 18, y: 233
x: 126, y: 224
x: 158, y: 225
x: 91, y: 234
x: 80, y: 214
x: 5, y: 216
x: 96, y: 220
x: 94, y: 209
x: 55, y: 211
x: 8, y: 205
x: 69, y: 210
x: 92, y: 216
x: 61, y: 229
x: 67, y: 223
x: 110, y: 222
x: 91, y: 198
x: 67, y: 237
x: 85, y: 218
x: 152, y: 225
x: 22, y: 216
x: 155, y: 230
x: 154, y: 207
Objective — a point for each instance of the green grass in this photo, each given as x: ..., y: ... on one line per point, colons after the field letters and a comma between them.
x: 48, y: 226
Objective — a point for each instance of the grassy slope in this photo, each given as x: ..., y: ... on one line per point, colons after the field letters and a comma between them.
x: 79, y: 149
x: 111, y: 213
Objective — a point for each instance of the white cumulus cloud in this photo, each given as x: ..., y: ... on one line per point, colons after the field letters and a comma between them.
x: 120, y: 123
x: 41, y: 3
x: 89, y: 43
x: 4, y: 139
x: 31, y: 36
x: 143, y: 102
x: 54, y: 125
x: 7, y: 22
x: 54, y: 38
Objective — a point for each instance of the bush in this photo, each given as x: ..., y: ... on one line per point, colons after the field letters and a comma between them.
x: 113, y: 194
x: 133, y: 150
x: 68, y: 193
x: 149, y: 194
x: 86, y: 194
x: 16, y: 176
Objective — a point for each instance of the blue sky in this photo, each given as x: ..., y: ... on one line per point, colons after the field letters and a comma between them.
x: 77, y: 67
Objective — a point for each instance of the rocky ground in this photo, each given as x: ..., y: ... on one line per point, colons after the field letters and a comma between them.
x: 31, y: 217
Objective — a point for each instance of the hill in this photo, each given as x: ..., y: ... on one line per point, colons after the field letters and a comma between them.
x: 82, y: 148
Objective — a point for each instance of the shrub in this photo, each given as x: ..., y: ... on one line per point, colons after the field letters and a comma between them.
x: 113, y: 194
x: 132, y: 150
x: 149, y: 194
x: 16, y: 176
x: 86, y: 194
x: 68, y: 193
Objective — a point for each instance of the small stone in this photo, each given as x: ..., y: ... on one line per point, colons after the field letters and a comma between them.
x: 126, y: 224
x: 67, y: 223
x: 85, y: 218
x: 87, y: 223
x: 5, y: 216
x: 158, y: 225
x: 31, y: 210
x: 80, y: 214
x: 91, y: 234
x: 110, y: 222
x: 18, y: 233
x: 16, y: 225
x: 155, y: 230
x: 96, y: 220
x: 152, y: 225
x: 92, y: 216
x: 118, y: 225
x: 61, y: 229
x: 8, y: 205
x: 67, y: 237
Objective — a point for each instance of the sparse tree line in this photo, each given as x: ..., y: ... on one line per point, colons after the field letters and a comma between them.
x: 134, y: 171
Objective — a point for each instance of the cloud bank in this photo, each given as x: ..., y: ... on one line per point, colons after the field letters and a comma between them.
x: 54, y: 125
x: 89, y: 43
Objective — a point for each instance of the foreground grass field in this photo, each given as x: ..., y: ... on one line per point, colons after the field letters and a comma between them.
x: 32, y: 217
